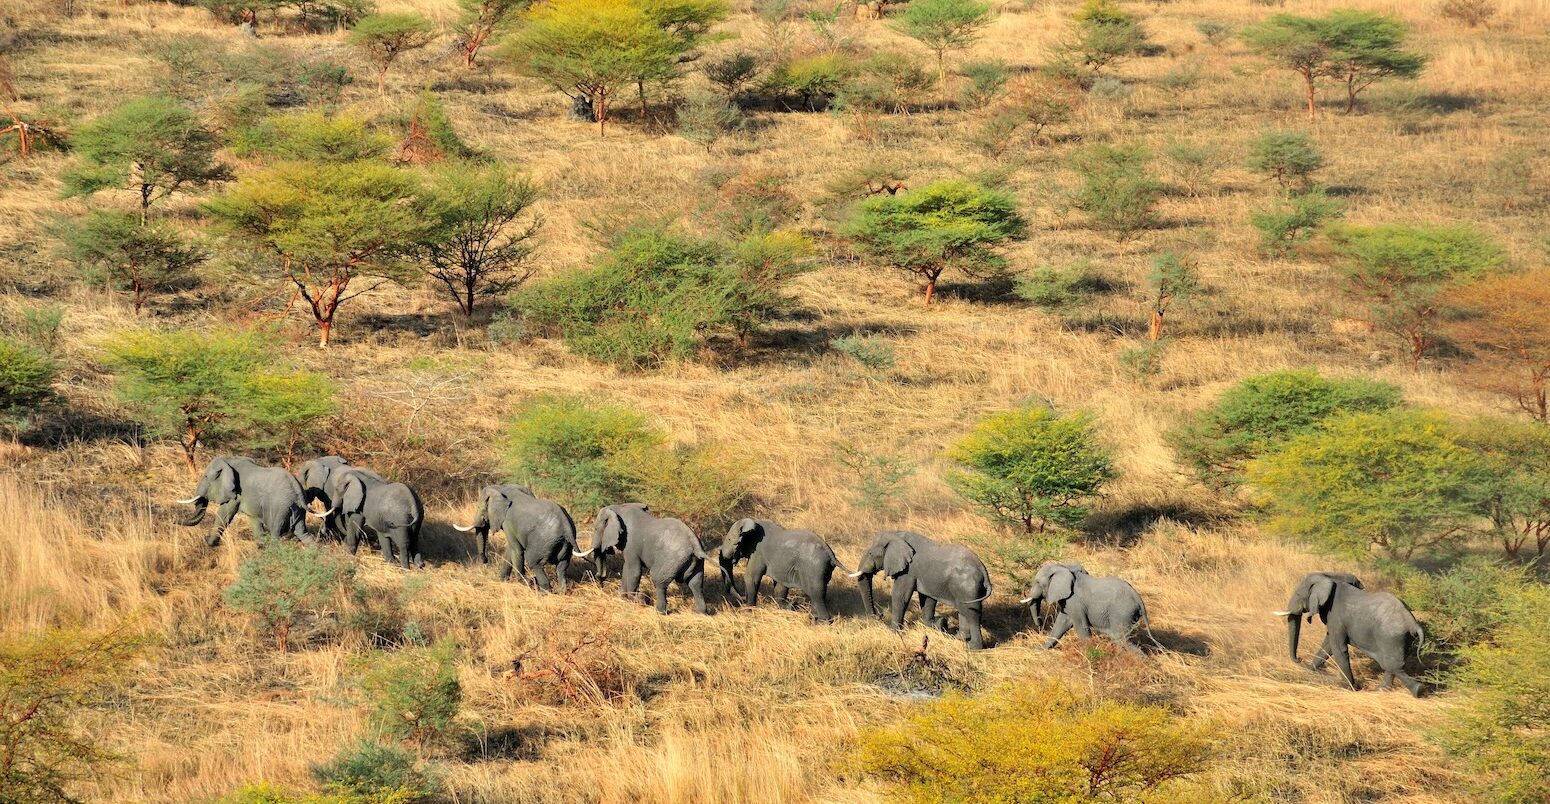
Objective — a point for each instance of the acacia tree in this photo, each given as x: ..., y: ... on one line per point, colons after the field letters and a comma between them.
x: 115, y: 249
x: 1367, y: 47
x: 1403, y: 272
x: 329, y: 225
x: 942, y: 26
x: 479, y: 20
x: 590, y: 48
x: 948, y: 224
x: 482, y: 232
x: 1172, y: 279
x: 1031, y: 466
x: 385, y: 37
x: 153, y: 146
x: 1295, y: 43
x: 1506, y: 320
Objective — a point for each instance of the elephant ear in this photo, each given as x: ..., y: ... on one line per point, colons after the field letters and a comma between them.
x: 1319, y: 595
x: 746, y: 532
x: 352, y: 498
x: 226, y: 477
x: 1062, y: 583
x: 614, y: 531
x: 896, y: 557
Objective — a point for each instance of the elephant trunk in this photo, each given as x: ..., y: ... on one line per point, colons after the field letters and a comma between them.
x: 864, y: 582
x: 728, y: 580
x: 197, y: 515
x: 1293, y: 632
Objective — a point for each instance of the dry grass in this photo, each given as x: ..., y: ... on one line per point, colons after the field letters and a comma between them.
x: 759, y: 706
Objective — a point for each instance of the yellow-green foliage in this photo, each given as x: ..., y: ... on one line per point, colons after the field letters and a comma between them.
x: 1031, y: 465
x: 1044, y: 743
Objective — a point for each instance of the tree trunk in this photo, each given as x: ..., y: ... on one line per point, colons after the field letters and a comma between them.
x: 325, y: 325
x: 602, y: 113
x: 382, y: 80
x: 640, y: 89
x: 190, y: 445
x: 1157, y: 325
x: 931, y: 277
x: 1350, y: 95
x: 1308, y: 78
x: 145, y: 202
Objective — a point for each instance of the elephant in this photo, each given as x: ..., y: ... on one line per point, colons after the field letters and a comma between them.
x: 538, y: 532
x: 320, y: 481
x: 792, y: 558
x: 494, y: 502
x: 664, y: 548
x: 947, y: 573
x: 271, y: 499
x: 1377, y: 623
x: 363, y: 505
x: 1110, y: 605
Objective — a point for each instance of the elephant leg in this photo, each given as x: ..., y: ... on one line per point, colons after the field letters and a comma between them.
x: 355, y: 533
x: 753, y: 578
x: 509, y: 561
x: 969, y: 627
x: 903, y: 589
x: 1386, y: 681
x: 781, y: 593
x: 696, y: 586
x: 661, y: 596
x: 536, y: 569
x: 818, y: 595
x: 1084, y: 628
x: 630, y: 582
x: 1410, y: 684
x: 1062, y: 625
x: 223, y: 517
x: 385, y: 544
x: 928, y: 615
x: 561, y: 569
x: 1342, y: 657
x: 1316, y: 664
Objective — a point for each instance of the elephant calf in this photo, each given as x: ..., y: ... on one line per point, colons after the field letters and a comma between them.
x: 792, y: 558
x: 939, y: 572
x: 364, y: 506
x: 538, y: 533
x: 1377, y: 623
x: 1109, y: 605
x: 665, y: 549
x: 268, y: 496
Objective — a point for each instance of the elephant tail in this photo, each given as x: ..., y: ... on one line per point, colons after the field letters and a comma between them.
x: 1146, y: 625
x: 835, y: 560
x: 1420, y: 636
x: 985, y: 596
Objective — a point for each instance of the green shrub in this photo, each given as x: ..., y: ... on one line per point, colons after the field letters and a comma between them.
x: 732, y: 73
x: 1142, y: 363
x: 876, y: 481
x: 1515, y: 494
x: 428, y: 134
x: 1465, y: 605
x: 1173, y: 280
x: 1473, y: 13
x: 815, y: 80
x: 1399, y: 481
x: 701, y: 484
x: 1215, y: 33
x: 1260, y: 413
x: 1102, y: 35
x: 116, y: 250
x: 1194, y: 165
x: 1292, y: 221
x: 1030, y: 465
x: 39, y: 325
x: 987, y: 81
x: 1497, y: 731
x: 872, y: 352
x: 1115, y: 189
x: 1288, y: 157
x: 26, y: 379
x: 1061, y: 288
x: 572, y: 449
x: 376, y: 772
x: 943, y: 26
x: 414, y: 695
x: 47, y: 679
x: 283, y: 581
x: 312, y: 136
x: 1034, y: 742
x: 706, y: 119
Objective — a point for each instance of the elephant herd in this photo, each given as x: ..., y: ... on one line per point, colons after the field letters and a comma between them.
x: 359, y: 505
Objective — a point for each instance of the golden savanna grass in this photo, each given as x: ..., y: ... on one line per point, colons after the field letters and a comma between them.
x: 759, y: 706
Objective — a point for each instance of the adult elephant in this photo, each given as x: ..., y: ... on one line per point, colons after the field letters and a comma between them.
x: 792, y: 558
x: 538, y: 532
x: 946, y: 573
x: 494, y: 502
x: 365, y: 506
x: 1376, y: 623
x: 1109, y: 605
x: 321, y: 480
x: 271, y: 499
x: 664, y: 548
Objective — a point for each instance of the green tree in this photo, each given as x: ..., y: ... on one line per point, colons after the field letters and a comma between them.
x: 414, y: 694
x: 480, y: 20
x: 26, y: 379
x: 120, y: 251
x: 314, y: 136
x: 572, y: 449
x: 329, y: 224
x: 945, y: 225
x: 1292, y: 221
x: 1285, y: 156
x: 153, y: 146
x: 1031, y: 465
x: 1497, y: 732
x: 482, y: 231
x: 1515, y: 495
x: 1399, y: 481
x: 1367, y: 47
x: 385, y: 37
x: 1102, y: 34
x: 284, y: 581
x: 46, y: 679
x: 1038, y: 743
x: 590, y: 48
x: 1262, y: 412
x: 943, y: 26
x: 1116, y: 190
x: 285, y: 407
x: 1403, y: 272
x: 1294, y: 43
x: 1171, y: 280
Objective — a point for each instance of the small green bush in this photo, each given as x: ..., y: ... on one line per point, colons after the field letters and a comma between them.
x: 987, y: 81
x: 1465, y: 605
x: 876, y: 481
x: 1031, y: 466
x: 377, y: 772
x: 572, y: 449
x: 1142, y: 363
x: 732, y: 73
x: 26, y: 379
x: 1194, y: 165
x: 1215, y: 33
x: 1034, y: 742
x: 1292, y: 221
x: 284, y: 580
x: 314, y: 136
x: 1102, y: 35
x: 815, y: 80
x: 1115, y: 189
x: 872, y: 352
x: 1288, y: 157
x: 414, y: 695
x: 1065, y: 288
x: 706, y: 119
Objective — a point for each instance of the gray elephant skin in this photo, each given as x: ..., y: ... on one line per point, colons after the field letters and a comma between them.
x: 1110, y: 606
x: 792, y: 558
x: 271, y: 499
x: 1376, y: 623
x: 362, y: 505
x: 539, y: 533
x: 664, y: 548
x: 494, y: 502
x: 939, y: 573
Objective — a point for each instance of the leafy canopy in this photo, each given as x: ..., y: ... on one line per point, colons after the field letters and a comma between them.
x: 154, y: 146
x: 482, y: 231
x: 26, y: 379
x: 1031, y: 465
x: 285, y: 580
x: 943, y: 25
x: 115, y: 249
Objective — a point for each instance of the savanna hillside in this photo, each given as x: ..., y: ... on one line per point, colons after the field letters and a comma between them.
x: 834, y: 410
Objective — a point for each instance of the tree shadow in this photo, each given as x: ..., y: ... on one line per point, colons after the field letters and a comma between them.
x: 795, y: 344
x: 74, y: 426
x: 441, y: 543
x: 1177, y: 642
x: 1124, y: 527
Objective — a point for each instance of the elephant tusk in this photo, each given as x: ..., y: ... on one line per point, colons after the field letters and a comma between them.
x: 854, y: 574
x: 582, y: 556
x: 1025, y: 601
x: 315, y: 515
x: 1281, y: 613
x: 189, y: 501
x: 461, y: 529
